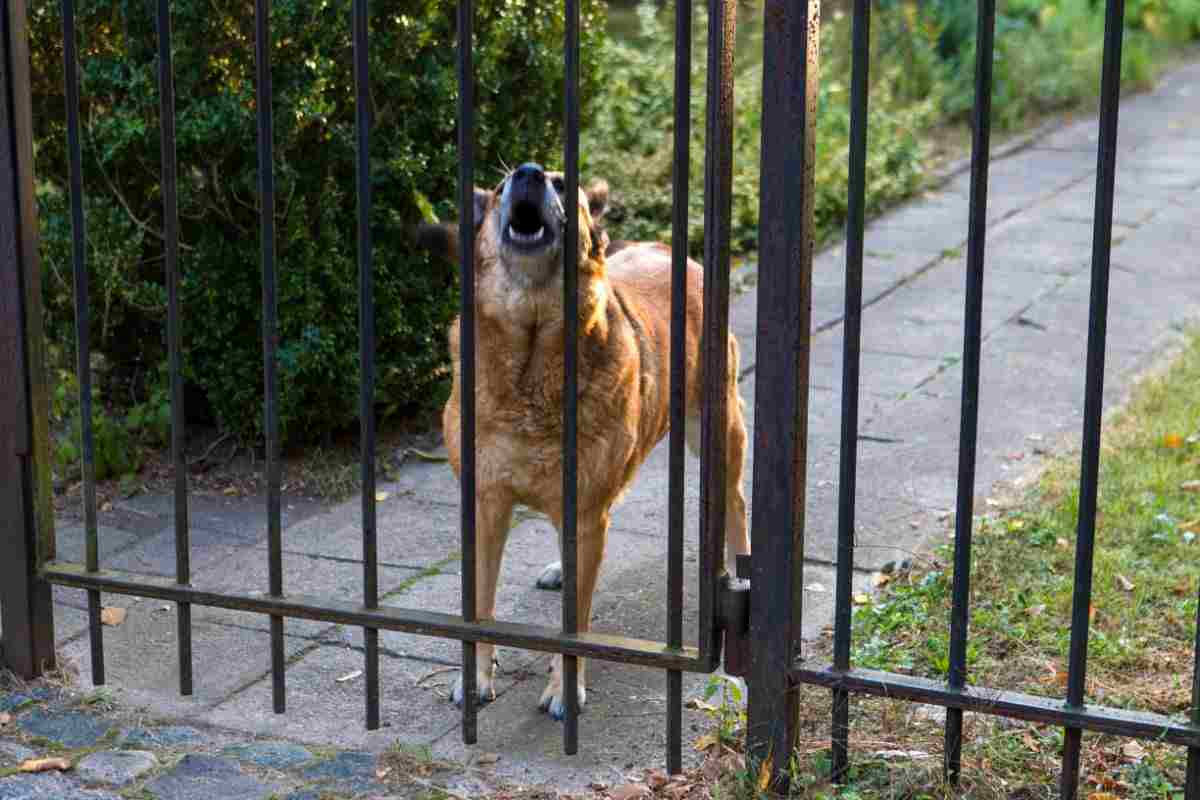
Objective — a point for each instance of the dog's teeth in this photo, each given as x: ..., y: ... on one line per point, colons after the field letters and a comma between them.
x: 517, y: 236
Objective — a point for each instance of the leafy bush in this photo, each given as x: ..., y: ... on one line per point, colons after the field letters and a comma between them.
x: 518, y: 58
x: 631, y: 143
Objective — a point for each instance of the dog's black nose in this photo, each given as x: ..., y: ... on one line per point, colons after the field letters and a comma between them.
x: 530, y: 172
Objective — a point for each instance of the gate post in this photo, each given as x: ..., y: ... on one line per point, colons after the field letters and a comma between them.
x: 26, y: 509
x: 790, y: 83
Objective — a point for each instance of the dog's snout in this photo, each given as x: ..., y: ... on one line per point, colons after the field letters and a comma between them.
x: 530, y: 172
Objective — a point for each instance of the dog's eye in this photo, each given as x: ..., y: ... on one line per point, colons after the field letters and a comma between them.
x: 559, y: 185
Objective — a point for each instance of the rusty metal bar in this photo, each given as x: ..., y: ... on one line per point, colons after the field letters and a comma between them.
x: 366, y: 351
x: 26, y: 510
x: 170, y: 193
x: 270, y: 333
x: 714, y: 415
x: 570, y: 439
x: 851, y: 359
x: 1015, y: 705
x: 1093, y: 408
x: 972, y: 346
x: 790, y: 85
x: 83, y: 349
x: 602, y: 646
x: 681, y: 162
x: 466, y: 250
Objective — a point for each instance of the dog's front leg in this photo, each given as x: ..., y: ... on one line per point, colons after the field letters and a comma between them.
x: 493, y: 515
x: 592, y: 533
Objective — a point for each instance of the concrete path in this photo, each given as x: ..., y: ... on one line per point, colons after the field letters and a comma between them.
x: 1035, y: 324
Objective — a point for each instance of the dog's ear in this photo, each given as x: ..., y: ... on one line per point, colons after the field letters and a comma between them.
x: 597, y: 195
x: 442, y: 240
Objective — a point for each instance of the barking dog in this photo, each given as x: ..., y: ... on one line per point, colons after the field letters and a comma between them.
x: 624, y: 381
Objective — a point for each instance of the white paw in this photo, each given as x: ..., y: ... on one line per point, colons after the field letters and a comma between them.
x: 485, y: 687
x: 552, y: 700
x: 551, y: 577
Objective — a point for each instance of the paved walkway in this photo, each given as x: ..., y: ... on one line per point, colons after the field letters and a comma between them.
x: 1035, y: 323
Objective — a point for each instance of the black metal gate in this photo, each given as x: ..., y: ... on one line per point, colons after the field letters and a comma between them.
x: 775, y: 666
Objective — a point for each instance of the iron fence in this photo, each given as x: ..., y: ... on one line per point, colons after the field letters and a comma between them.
x: 28, y: 575
x: 771, y: 656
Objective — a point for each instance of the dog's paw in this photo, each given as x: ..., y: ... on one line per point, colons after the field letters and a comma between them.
x: 552, y: 701
x: 551, y: 577
x: 485, y: 687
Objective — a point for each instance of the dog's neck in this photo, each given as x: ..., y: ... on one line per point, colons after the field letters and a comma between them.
x: 501, y: 293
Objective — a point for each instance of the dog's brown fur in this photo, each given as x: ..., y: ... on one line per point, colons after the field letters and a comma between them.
x: 624, y: 389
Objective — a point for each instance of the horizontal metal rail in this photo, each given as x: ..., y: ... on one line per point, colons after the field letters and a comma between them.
x: 606, y: 647
x: 998, y: 703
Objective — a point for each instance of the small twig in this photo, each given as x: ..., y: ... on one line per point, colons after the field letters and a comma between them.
x: 209, y: 451
x: 435, y: 673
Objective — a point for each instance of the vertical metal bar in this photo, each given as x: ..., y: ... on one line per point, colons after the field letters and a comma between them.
x: 851, y: 358
x: 718, y: 181
x: 570, y: 685
x: 166, y: 122
x: 1093, y: 407
x: 270, y: 333
x: 26, y: 507
x: 790, y: 86
x: 366, y: 351
x: 1192, y: 781
x: 972, y: 343
x: 466, y: 250
x: 82, y: 334
x: 679, y: 282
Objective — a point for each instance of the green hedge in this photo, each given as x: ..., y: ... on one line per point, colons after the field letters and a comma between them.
x: 518, y: 56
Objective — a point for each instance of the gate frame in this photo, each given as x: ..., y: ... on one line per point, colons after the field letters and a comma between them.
x: 26, y: 506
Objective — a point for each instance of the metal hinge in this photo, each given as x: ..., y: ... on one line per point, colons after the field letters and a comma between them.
x: 733, y: 617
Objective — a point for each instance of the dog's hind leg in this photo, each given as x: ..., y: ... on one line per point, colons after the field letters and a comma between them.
x: 737, y: 540
x: 592, y: 535
x: 493, y: 515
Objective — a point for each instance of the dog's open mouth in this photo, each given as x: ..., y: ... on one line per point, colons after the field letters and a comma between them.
x: 526, y: 228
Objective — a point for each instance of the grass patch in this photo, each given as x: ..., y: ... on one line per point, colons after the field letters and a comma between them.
x: 1143, y: 626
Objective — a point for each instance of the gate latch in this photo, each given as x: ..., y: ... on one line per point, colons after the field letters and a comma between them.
x: 733, y: 617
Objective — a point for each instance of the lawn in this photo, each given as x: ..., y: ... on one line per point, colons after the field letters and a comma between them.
x: 1143, y: 624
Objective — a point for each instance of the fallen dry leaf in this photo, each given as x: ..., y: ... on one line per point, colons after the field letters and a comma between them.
x: 349, y: 676
x: 1062, y: 544
x: 1172, y: 441
x: 1102, y: 796
x: 699, y: 705
x: 657, y: 779
x: 880, y: 579
x: 44, y: 765
x: 380, y: 774
x: 628, y: 791
x: 1190, y: 486
x: 861, y: 599
x: 1125, y: 584
x: 764, y: 773
x: 106, y: 506
x: 112, y: 616
x: 487, y: 758
x: 1036, y: 611
x: 229, y: 491
x: 706, y: 741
